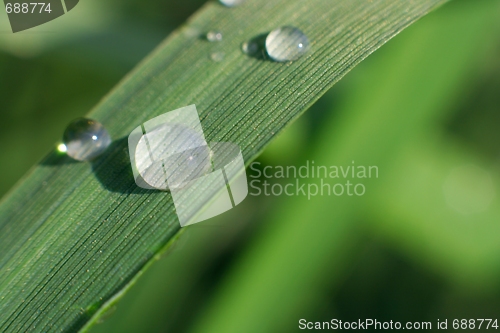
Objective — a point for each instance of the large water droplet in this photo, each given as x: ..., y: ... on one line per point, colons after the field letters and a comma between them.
x: 171, y: 152
x: 214, y: 36
x: 286, y: 44
x: 85, y: 139
x: 231, y: 3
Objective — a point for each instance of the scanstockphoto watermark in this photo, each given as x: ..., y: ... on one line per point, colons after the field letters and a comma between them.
x: 310, y: 179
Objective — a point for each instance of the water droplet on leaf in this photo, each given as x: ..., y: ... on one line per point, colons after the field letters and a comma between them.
x: 251, y: 48
x: 286, y: 44
x: 231, y: 3
x: 214, y: 36
x: 85, y: 139
x: 172, y: 152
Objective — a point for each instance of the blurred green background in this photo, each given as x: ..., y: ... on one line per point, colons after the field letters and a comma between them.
x: 420, y: 245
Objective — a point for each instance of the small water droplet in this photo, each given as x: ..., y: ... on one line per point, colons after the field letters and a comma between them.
x: 214, y: 36
x: 85, y: 139
x: 231, y: 3
x: 256, y: 47
x: 286, y: 44
x: 250, y: 48
x: 217, y: 56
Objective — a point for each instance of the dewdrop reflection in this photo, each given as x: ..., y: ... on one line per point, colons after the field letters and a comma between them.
x: 169, y: 152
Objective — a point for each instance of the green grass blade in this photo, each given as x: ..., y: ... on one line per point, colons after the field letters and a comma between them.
x: 73, y: 235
